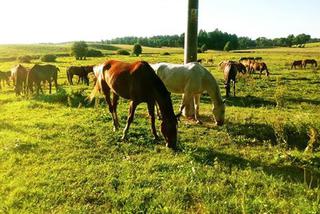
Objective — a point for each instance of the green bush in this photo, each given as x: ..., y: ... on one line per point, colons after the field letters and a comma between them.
x: 48, y: 58
x: 24, y: 59
x: 123, y: 52
x: 79, y: 50
x: 94, y: 53
x: 137, y: 49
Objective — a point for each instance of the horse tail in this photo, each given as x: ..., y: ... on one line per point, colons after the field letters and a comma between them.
x: 68, y: 76
x: 315, y: 63
x: 95, y: 90
x: 29, y: 81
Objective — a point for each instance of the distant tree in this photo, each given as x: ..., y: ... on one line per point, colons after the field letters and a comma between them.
x: 137, y: 49
x: 227, y: 46
x: 263, y: 42
x: 204, y: 48
x: 79, y: 50
x: 290, y: 40
x: 246, y: 42
x: 301, y: 39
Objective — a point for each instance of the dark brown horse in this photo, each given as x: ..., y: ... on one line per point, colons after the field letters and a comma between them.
x: 230, y: 70
x: 258, y: 66
x: 312, y: 62
x: 19, y: 77
x: 80, y: 71
x: 296, y: 63
x: 5, y: 78
x: 139, y: 83
x: 42, y: 73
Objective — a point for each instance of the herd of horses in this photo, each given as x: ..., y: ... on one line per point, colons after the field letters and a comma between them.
x: 141, y: 82
x: 304, y: 63
x: 250, y: 65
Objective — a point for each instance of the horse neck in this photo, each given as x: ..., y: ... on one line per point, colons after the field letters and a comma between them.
x: 165, y: 105
x: 214, y: 92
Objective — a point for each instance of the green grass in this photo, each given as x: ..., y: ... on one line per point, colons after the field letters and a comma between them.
x: 58, y: 154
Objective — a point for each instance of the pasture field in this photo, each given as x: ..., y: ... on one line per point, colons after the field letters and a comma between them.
x: 58, y: 153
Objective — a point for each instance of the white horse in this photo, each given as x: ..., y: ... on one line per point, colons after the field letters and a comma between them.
x: 191, y: 80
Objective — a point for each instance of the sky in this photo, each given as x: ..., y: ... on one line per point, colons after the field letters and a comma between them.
x: 40, y: 21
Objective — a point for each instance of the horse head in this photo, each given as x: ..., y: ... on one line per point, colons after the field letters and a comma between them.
x: 169, y: 131
x: 219, y: 114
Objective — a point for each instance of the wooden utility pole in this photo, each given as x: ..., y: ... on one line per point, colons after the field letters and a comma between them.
x: 191, y: 45
x: 191, y: 36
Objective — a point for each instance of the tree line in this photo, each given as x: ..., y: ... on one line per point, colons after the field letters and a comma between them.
x: 217, y: 40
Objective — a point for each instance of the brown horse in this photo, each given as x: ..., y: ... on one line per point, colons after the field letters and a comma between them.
x: 139, y: 83
x: 81, y: 71
x: 5, y: 78
x: 313, y: 63
x: 296, y: 63
x: 19, y: 77
x: 42, y: 73
x: 258, y: 66
x: 230, y: 70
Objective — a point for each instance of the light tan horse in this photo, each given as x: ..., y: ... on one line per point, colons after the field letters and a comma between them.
x: 191, y: 80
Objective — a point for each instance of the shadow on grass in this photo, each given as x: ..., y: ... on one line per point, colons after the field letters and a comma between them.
x: 8, y: 126
x: 302, y: 100
x: 292, y: 173
x: 257, y: 132
x: 249, y: 101
x: 72, y: 99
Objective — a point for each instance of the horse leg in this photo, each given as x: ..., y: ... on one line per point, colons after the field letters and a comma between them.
x: 158, y: 111
x: 196, y: 100
x: 185, y: 99
x: 50, y: 85
x: 227, y: 87
x: 133, y: 106
x: 234, y: 88
x: 152, y: 118
x: 86, y: 80
x: 115, y: 99
x: 106, y: 91
x: 56, y: 84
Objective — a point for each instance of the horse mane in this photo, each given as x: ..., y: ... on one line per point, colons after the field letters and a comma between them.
x: 162, y: 95
x: 156, y: 80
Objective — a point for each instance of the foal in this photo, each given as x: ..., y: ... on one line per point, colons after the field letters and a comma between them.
x: 139, y: 83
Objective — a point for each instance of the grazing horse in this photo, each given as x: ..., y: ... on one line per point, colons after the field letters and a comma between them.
x: 5, y: 78
x: 230, y: 70
x: 309, y: 61
x: 81, y: 71
x: 19, y: 77
x: 42, y: 73
x: 296, y: 63
x: 245, y: 61
x: 139, y: 83
x: 191, y: 80
x: 258, y: 66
